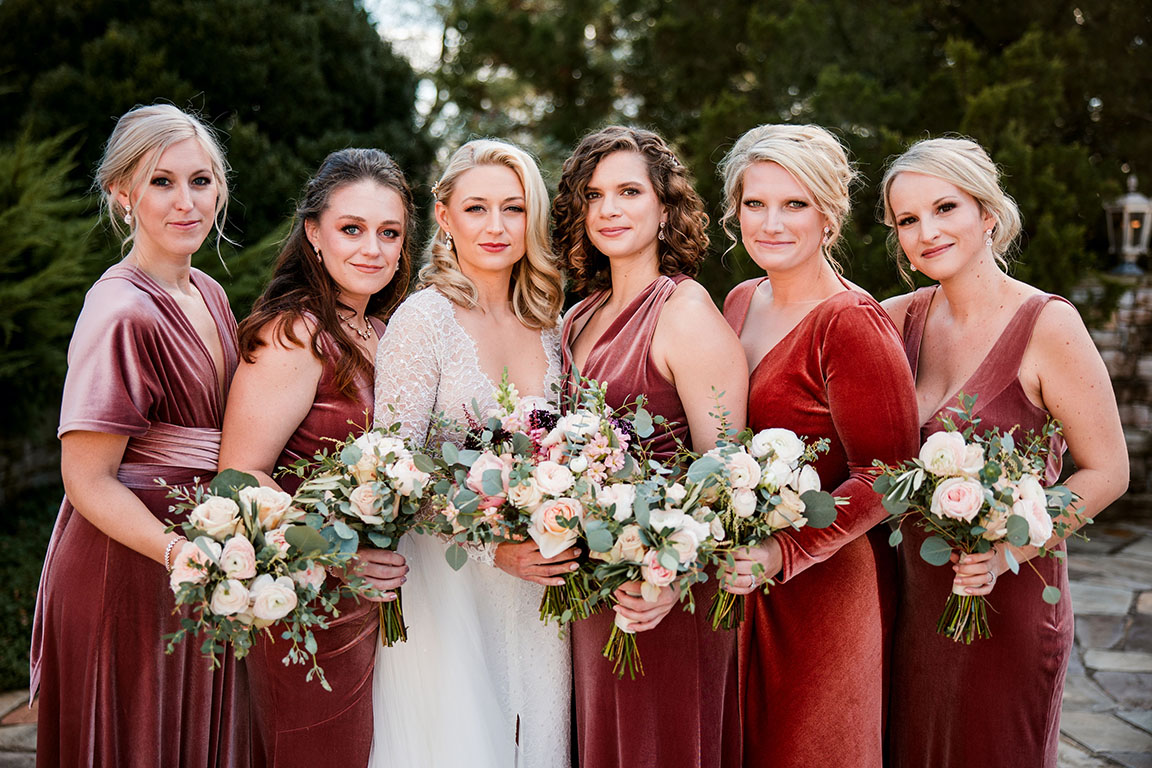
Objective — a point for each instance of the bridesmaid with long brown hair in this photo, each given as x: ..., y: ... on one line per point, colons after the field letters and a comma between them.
x: 826, y: 363
x: 1025, y: 355
x: 305, y: 381
x: 149, y: 368
x: 632, y: 232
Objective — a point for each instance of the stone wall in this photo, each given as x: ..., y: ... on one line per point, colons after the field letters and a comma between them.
x: 1119, y: 317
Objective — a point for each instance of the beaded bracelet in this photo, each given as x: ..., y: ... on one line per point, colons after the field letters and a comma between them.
x: 168, y: 553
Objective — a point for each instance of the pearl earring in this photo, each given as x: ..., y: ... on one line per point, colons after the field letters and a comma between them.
x: 988, y: 238
x: 660, y: 233
x: 448, y: 240
x: 827, y: 234
x: 128, y: 215
x: 912, y: 267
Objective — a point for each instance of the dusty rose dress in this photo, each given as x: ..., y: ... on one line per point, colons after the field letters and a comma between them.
x: 108, y: 693
x: 996, y: 702
x: 814, y: 653
x: 683, y: 712
x: 295, y: 722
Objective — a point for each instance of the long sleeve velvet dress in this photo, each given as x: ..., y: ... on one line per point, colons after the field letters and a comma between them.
x: 995, y: 702
x: 109, y: 695
x: 814, y: 652
x: 682, y: 713
x: 295, y: 722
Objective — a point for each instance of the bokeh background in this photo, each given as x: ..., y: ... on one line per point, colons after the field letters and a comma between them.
x: 1060, y: 92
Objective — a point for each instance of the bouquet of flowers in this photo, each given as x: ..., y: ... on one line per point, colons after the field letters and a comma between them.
x: 249, y: 564
x: 367, y: 492
x: 657, y: 531
x: 970, y: 490
x: 760, y: 484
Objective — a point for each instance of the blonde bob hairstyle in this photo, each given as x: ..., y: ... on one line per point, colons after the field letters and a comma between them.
x: 536, y: 289
x: 811, y: 154
x: 964, y: 164
x: 133, y: 150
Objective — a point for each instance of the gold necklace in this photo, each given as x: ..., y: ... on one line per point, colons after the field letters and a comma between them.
x: 365, y: 332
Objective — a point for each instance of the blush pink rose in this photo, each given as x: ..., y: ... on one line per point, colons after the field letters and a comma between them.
x: 217, y: 516
x: 191, y: 564
x: 312, y: 576
x: 271, y: 507
x: 363, y: 503
x: 655, y: 576
x: 743, y: 470
x: 486, y: 462
x: 546, y: 529
x: 958, y: 498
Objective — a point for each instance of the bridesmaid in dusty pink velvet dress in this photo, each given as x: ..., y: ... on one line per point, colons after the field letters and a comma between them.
x: 149, y: 367
x: 826, y: 363
x: 631, y: 230
x: 306, y: 381
x: 1024, y: 355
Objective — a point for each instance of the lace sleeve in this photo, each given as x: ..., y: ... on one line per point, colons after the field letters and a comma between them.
x: 408, y: 372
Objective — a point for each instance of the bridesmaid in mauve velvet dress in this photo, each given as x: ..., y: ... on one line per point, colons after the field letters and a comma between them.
x: 827, y: 363
x: 306, y: 382
x: 149, y: 367
x: 1024, y: 355
x: 629, y: 224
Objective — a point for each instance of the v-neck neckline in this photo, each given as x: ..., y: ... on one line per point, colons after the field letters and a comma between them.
x: 190, y: 329
x: 613, y: 328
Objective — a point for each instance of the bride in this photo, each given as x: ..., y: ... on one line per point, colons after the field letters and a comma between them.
x: 480, y: 681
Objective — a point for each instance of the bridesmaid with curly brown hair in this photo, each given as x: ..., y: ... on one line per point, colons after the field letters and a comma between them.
x: 632, y: 232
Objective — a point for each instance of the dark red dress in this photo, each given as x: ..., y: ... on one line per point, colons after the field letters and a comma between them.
x: 109, y: 695
x: 814, y: 653
x: 295, y: 722
x: 683, y: 712
x: 995, y: 702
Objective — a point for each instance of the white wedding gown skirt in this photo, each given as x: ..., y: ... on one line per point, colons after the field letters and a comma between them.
x: 477, y: 660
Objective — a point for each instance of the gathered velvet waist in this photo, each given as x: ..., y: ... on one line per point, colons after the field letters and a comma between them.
x: 172, y: 452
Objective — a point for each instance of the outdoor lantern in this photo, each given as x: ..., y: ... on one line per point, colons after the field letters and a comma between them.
x: 1128, y: 222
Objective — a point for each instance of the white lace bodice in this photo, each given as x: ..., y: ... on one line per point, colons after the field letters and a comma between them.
x: 476, y: 646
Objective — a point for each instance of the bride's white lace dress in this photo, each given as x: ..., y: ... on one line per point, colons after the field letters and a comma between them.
x: 479, y: 666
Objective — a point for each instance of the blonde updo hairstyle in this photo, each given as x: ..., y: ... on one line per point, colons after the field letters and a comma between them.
x: 964, y: 164
x: 812, y: 155
x: 537, y: 285
x: 133, y: 150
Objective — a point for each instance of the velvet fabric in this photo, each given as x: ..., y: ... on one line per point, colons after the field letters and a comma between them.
x: 109, y: 695
x: 682, y: 713
x: 995, y: 702
x: 295, y: 722
x: 814, y: 652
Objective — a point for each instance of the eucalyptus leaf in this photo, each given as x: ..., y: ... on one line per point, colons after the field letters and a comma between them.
x: 343, y: 530
x: 1011, y: 560
x: 1051, y: 595
x: 450, y: 453
x: 456, y: 556
x: 492, y: 482
x: 894, y: 506
x: 642, y: 421
x: 895, y: 538
x: 702, y: 468
x: 469, y: 456
x: 598, y: 536
x: 640, y: 510
x: 380, y: 540
x: 819, y: 508
x: 423, y: 463
x: 350, y: 454
x: 882, y: 484
x: 668, y: 559
x: 935, y: 551
x: 306, y: 539
x: 1017, y: 530
x: 204, y: 542
x: 230, y: 480
x: 626, y: 471
x: 520, y: 443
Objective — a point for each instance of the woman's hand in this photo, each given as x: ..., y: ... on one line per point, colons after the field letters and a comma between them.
x: 643, y: 615
x: 524, y: 561
x: 383, y: 569
x: 754, y: 566
x: 978, y: 573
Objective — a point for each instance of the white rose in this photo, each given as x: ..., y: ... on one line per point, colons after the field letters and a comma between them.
x: 583, y: 423
x: 629, y: 546
x: 270, y: 506
x: 995, y: 523
x: 277, y: 539
x: 230, y: 597
x: 717, y: 529
x: 973, y: 460
x: 806, y: 479
x: 272, y: 599
x: 362, y: 501
x: 622, y: 495
x: 525, y: 495
x: 686, y: 543
x: 743, y: 470
x: 743, y: 502
x: 364, y: 470
x: 554, y: 479
x: 217, y: 516
x: 1032, y: 505
x: 409, y: 479
x: 784, y: 443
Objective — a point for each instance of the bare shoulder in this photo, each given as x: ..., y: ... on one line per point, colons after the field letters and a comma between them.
x: 287, y: 341
x: 1061, y: 331
x: 897, y: 307
x: 690, y: 303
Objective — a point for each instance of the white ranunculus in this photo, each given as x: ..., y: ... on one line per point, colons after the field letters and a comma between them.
x: 784, y: 444
x: 272, y: 599
x: 743, y: 502
x: 229, y: 598
x: 554, y: 479
x: 944, y: 453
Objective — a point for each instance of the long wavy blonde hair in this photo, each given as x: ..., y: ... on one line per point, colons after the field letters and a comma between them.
x: 537, y: 286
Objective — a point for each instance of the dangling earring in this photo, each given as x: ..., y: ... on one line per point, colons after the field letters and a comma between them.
x: 319, y: 256
x: 448, y: 240
x: 912, y: 267
x: 987, y: 238
x: 660, y: 233
x: 827, y: 234
x: 128, y: 215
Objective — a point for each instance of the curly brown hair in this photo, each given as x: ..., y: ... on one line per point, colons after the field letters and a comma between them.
x: 686, y: 235
x: 301, y: 286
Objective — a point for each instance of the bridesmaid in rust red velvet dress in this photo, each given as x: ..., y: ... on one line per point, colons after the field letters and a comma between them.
x: 826, y: 363
x: 1024, y: 354
x: 149, y: 367
x: 305, y: 381
x: 632, y: 231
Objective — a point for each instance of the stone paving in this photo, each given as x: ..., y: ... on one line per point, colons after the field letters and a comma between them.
x: 1107, y: 715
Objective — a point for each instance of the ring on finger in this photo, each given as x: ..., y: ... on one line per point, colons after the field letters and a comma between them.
x: 991, y: 578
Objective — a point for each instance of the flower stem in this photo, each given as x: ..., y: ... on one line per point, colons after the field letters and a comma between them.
x: 622, y: 652
x: 570, y: 598
x: 392, y: 629
x: 726, y: 611
x: 965, y: 618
